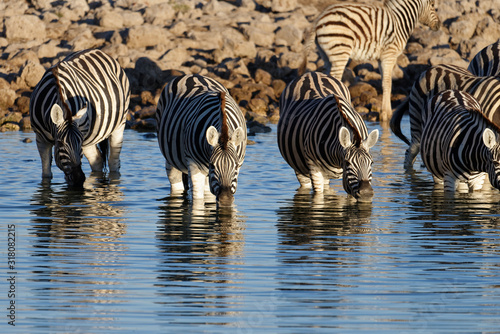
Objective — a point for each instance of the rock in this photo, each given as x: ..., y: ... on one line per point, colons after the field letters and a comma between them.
x: 12, y: 117
x: 31, y: 73
x: 111, y: 20
x: 280, y: 6
x: 160, y: 14
x: 24, y: 27
x: 147, y: 35
x: 7, y: 98
x: 148, y: 124
x: 144, y: 113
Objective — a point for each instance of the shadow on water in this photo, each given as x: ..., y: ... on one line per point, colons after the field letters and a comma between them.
x: 309, y: 218
x: 198, y: 244
x: 76, y: 248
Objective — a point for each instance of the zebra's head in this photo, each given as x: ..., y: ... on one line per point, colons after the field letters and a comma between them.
x: 428, y: 16
x: 357, y: 165
x: 68, y: 144
x: 493, y: 146
x: 224, y: 164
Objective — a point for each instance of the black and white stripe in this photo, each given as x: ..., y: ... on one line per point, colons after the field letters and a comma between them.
x: 321, y: 136
x: 486, y: 90
x: 78, y: 104
x: 487, y: 61
x: 201, y: 131
x: 459, y: 144
x: 368, y: 32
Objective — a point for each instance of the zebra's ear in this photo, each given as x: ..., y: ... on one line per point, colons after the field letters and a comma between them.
x: 57, y: 114
x: 81, y: 116
x: 372, y: 139
x: 345, y: 137
x: 212, y: 136
x: 238, y: 136
x: 489, y: 138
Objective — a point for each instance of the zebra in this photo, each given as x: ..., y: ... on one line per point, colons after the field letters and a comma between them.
x: 78, y: 104
x: 486, y: 90
x: 321, y: 136
x: 459, y: 144
x: 487, y: 61
x: 368, y: 32
x: 201, y: 132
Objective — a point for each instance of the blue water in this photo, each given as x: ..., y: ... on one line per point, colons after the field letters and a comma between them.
x: 124, y: 256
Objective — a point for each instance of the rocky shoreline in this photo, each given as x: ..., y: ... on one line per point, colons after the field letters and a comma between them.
x: 252, y: 47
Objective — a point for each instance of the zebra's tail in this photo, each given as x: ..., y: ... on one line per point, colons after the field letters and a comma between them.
x: 104, y: 149
x: 310, y: 34
x: 396, y: 121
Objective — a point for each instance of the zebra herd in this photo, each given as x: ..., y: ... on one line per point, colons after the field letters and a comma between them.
x: 79, y: 108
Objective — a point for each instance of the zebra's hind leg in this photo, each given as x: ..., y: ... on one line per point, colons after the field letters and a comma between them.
x: 115, y: 148
x: 175, y: 177
x: 94, y: 157
x: 45, y: 151
x: 451, y: 183
x: 387, y: 65
x: 305, y: 181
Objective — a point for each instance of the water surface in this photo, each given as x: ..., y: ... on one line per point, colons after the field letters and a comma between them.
x: 124, y: 256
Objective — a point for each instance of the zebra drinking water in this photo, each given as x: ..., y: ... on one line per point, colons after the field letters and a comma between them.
x: 487, y: 61
x: 459, y: 144
x: 79, y: 103
x: 486, y: 90
x: 321, y: 136
x: 368, y: 32
x: 201, y: 131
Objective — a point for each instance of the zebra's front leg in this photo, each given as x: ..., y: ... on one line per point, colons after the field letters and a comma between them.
x: 94, y: 157
x: 175, y: 178
x: 476, y: 182
x: 115, y: 148
x: 318, y: 181
x: 387, y: 65
x: 198, y: 179
x: 45, y: 151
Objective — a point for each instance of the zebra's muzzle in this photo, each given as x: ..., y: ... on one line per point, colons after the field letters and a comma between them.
x: 75, y: 177
x: 365, y: 191
x: 225, y: 197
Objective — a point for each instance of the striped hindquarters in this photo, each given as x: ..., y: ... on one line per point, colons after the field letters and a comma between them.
x: 89, y: 78
x: 487, y: 61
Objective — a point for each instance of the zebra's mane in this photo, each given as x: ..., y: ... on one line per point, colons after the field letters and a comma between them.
x: 357, y: 136
x: 68, y: 115
x: 224, y: 135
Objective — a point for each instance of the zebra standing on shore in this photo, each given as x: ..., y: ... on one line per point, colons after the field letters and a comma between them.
x: 486, y: 90
x: 201, y: 131
x: 368, y: 32
x: 321, y: 136
x: 79, y: 103
x: 487, y: 61
x: 459, y: 144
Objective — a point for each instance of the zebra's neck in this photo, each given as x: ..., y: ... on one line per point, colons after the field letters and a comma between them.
x: 405, y: 15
